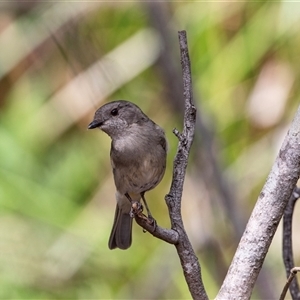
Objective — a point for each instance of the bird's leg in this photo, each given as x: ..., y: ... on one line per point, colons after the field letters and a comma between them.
x: 150, y: 218
x: 128, y: 197
x: 146, y: 205
x: 136, y: 207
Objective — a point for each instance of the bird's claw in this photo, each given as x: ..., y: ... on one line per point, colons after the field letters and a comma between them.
x: 136, y: 209
x: 152, y: 222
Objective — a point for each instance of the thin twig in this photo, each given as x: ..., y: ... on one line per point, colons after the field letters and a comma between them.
x: 168, y: 235
x: 292, y: 274
x: 189, y: 261
x: 287, y: 246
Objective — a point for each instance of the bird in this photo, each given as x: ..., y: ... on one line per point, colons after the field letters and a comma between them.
x: 138, y: 159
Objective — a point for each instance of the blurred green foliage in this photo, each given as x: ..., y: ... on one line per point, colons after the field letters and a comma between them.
x: 56, y: 187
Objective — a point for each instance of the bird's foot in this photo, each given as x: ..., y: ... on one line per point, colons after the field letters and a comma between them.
x: 136, y: 209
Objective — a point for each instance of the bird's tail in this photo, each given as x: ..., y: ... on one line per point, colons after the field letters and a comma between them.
x: 120, y: 236
x: 121, y: 233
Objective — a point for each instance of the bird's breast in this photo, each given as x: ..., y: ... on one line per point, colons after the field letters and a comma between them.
x: 137, y: 167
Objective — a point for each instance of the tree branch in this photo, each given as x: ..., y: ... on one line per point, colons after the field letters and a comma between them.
x: 189, y: 261
x: 177, y: 235
x: 168, y: 235
x: 291, y: 276
x: 264, y: 219
x: 287, y: 245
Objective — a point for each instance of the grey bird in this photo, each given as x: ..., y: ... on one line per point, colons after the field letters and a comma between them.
x: 138, y: 160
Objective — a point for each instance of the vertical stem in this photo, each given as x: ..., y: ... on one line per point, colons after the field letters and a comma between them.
x: 287, y: 245
x: 189, y: 261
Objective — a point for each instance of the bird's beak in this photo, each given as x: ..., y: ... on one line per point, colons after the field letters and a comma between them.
x: 94, y: 124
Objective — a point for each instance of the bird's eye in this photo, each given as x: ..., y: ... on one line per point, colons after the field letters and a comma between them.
x: 114, y: 112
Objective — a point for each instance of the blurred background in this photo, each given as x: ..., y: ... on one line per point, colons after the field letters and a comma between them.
x: 59, y: 62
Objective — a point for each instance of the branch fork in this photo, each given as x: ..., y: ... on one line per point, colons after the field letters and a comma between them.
x: 177, y: 235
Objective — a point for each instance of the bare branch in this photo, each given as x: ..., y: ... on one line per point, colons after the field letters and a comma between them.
x: 265, y: 218
x: 177, y: 234
x: 188, y: 258
x: 292, y: 274
x: 287, y: 246
x: 168, y: 235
